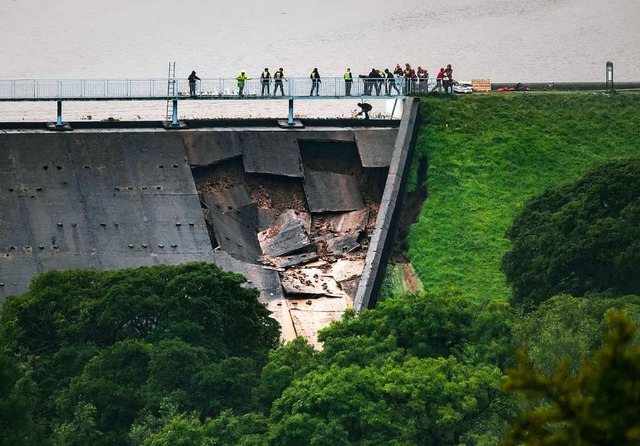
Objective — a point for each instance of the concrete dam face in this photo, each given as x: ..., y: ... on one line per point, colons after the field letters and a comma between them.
x: 295, y: 211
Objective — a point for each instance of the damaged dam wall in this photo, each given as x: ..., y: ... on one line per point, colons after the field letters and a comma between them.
x: 292, y: 210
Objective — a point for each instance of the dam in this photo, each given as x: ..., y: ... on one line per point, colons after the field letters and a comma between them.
x: 306, y: 214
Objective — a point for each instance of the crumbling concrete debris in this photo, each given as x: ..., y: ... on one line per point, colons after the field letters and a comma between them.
x: 342, y: 244
x: 288, y: 235
x: 354, y: 222
x: 279, y: 195
x: 293, y: 214
x: 292, y: 260
x: 215, y: 185
x: 312, y: 281
x: 228, y: 199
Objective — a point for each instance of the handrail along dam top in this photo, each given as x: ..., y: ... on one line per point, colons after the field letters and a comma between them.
x: 212, y: 89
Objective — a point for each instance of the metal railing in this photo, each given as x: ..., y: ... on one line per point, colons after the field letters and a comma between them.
x: 122, y: 89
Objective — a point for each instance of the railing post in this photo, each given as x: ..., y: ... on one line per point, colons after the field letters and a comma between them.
x: 59, y: 114
x: 174, y: 114
x: 13, y: 89
x: 290, y: 120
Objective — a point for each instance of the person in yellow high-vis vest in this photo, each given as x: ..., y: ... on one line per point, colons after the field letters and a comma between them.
x: 241, y: 78
x: 348, y: 82
x: 278, y: 76
x: 265, y: 80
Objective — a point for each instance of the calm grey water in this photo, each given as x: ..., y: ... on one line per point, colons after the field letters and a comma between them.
x: 504, y: 40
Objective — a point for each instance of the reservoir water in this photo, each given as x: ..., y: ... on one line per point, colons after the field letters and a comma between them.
x: 503, y: 40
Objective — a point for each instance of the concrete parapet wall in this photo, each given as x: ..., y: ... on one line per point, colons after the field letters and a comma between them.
x: 390, y: 207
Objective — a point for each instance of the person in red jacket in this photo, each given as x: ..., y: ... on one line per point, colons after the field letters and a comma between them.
x: 439, y: 79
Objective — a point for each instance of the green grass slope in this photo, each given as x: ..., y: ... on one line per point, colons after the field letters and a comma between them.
x: 488, y: 154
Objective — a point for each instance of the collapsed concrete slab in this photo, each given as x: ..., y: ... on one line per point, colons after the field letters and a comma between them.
x: 275, y: 153
x: 288, y: 235
x: 235, y: 238
x: 342, y: 244
x: 346, y: 269
x: 292, y: 260
x: 331, y: 192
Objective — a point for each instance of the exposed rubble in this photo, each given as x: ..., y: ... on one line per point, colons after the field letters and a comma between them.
x: 313, y: 232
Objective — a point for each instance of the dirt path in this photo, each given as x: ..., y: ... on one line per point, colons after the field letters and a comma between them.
x: 410, y: 278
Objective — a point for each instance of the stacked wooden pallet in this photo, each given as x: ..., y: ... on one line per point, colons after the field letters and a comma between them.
x: 481, y: 85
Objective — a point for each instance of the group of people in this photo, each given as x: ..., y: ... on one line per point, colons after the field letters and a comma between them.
x: 410, y: 80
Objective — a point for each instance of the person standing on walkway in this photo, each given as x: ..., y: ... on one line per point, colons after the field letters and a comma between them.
x: 391, y: 82
x: 192, y: 83
x: 448, y: 78
x: 439, y: 79
x: 265, y: 80
x: 348, y: 82
x: 423, y: 80
x: 373, y: 81
x: 242, y: 79
x: 315, y: 82
x: 278, y: 76
x: 409, y: 79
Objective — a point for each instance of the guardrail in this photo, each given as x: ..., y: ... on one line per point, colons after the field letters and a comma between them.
x: 97, y: 89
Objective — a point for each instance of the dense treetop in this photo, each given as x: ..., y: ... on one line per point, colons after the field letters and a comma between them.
x: 105, y: 348
x: 580, y: 238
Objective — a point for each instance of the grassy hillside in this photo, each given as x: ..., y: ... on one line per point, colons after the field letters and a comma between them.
x: 487, y: 155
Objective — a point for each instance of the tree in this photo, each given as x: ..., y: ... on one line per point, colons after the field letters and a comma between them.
x: 580, y: 238
x: 437, y: 401
x: 567, y: 327
x: 288, y: 362
x: 406, y: 372
x: 17, y: 401
x: 81, y: 431
x: 119, y: 342
x: 421, y: 325
x: 598, y: 406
